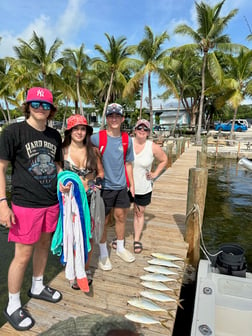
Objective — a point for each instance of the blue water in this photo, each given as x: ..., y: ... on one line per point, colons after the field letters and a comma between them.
x: 228, y: 207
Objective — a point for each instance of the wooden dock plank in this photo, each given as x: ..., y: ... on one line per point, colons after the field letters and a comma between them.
x: 163, y: 232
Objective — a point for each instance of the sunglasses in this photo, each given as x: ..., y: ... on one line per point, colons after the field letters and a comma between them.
x: 45, y: 106
x: 140, y: 128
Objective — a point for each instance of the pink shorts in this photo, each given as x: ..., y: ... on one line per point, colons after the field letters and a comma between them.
x: 31, y: 222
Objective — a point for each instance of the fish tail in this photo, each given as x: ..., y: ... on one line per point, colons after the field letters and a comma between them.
x: 179, y: 304
x: 163, y: 323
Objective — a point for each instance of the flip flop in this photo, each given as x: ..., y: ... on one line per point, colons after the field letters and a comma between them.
x: 46, y: 295
x: 17, y: 317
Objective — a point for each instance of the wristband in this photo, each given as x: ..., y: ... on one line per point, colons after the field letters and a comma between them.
x: 3, y: 199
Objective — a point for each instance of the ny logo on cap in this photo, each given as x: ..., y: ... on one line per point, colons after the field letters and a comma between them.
x: 40, y: 93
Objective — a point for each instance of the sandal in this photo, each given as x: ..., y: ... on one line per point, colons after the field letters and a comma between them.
x: 46, y: 295
x: 138, y: 247
x: 16, y: 318
x: 114, y: 243
x: 89, y: 277
x: 74, y: 285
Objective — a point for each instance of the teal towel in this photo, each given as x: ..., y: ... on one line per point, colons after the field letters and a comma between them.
x: 81, y: 198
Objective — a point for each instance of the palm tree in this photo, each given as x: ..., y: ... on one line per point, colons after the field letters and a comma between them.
x: 115, y: 64
x: 6, y: 87
x: 207, y: 37
x: 235, y: 83
x: 180, y: 74
x: 77, y: 62
x: 151, y: 55
x: 41, y: 63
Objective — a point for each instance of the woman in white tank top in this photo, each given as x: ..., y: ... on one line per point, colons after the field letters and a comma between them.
x: 145, y: 151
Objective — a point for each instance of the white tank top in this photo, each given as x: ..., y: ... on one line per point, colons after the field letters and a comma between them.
x: 142, y: 164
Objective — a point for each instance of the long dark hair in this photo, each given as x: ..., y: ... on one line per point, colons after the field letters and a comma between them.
x: 91, y: 153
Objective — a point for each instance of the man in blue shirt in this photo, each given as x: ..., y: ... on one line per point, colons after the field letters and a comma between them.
x: 114, y: 188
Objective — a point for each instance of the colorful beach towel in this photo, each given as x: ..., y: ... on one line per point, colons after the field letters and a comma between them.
x: 71, y: 239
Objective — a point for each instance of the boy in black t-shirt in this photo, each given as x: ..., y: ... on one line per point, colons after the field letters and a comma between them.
x: 34, y: 151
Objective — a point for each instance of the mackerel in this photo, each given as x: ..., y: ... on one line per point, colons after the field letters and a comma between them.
x: 166, y: 257
x: 162, y: 262
x: 157, y: 296
x: 159, y: 269
x: 142, y: 318
x: 156, y: 285
x: 146, y: 304
x: 156, y: 277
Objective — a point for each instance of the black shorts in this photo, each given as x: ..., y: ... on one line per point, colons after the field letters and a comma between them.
x: 115, y: 199
x: 143, y: 200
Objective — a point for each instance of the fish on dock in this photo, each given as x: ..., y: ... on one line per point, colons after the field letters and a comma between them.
x: 162, y: 262
x: 156, y: 277
x: 159, y: 269
x: 144, y: 319
x: 156, y: 285
x: 157, y: 296
x: 164, y: 256
x: 143, y: 303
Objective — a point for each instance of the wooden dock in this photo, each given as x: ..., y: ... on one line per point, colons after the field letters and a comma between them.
x: 163, y: 232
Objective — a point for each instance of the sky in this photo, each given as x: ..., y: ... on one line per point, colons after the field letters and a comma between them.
x: 86, y: 21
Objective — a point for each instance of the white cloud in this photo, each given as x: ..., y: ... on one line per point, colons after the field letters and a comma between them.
x: 72, y: 20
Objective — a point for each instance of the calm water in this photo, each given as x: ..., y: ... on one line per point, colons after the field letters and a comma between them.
x: 227, y: 218
x: 228, y: 208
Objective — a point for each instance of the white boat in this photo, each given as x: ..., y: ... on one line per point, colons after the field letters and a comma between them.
x: 223, y: 303
x: 245, y: 163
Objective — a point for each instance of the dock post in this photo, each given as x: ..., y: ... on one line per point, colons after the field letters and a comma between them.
x: 201, y: 159
x: 238, y: 150
x: 197, y: 187
x: 169, y: 148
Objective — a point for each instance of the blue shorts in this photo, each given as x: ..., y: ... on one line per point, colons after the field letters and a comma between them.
x: 115, y: 199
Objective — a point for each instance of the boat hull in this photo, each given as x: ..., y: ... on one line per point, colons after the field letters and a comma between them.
x: 223, y: 303
x: 246, y: 163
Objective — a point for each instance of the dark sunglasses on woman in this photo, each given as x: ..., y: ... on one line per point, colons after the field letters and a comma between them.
x: 139, y: 128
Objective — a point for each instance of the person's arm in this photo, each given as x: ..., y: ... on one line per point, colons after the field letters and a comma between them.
x: 6, y: 214
x: 100, y: 170
x: 160, y: 155
x: 129, y: 169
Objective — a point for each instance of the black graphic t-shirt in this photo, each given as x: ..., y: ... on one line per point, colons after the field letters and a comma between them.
x: 32, y: 154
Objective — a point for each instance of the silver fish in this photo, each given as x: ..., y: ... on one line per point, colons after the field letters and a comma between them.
x: 156, y: 285
x: 157, y: 296
x: 156, y: 277
x: 145, y: 304
x: 166, y: 256
x: 162, y: 262
x: 159, y: 269
x: 141, y: 318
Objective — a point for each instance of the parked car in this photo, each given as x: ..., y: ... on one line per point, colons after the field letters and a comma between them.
x: 238, y: 126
